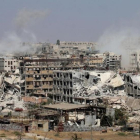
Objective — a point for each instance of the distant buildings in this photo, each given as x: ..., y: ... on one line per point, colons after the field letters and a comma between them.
x: 65, y: 43
x: 112, y: 61
x: 135, y: 60
x: 38, y: 69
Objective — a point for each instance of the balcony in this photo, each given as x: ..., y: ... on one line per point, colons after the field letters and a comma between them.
x: 47, y: 86
x: 29, y: 79
x: 47, y: 79
x: 37, y: 79
x: 46, y: 72
x: 31, y: 72
x: 29, y: 87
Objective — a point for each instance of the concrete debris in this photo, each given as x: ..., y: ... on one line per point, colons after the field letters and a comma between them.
x: 10, y: 92
x: 103, y: 87
x: 16, y: 71
x: 116, y: 82
x: 91, y: 83
x: 85, y: 123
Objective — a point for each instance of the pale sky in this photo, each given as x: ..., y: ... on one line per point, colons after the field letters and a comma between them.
x: 70, y: 20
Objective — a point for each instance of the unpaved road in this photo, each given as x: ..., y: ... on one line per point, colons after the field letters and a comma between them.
x: 87, y: 135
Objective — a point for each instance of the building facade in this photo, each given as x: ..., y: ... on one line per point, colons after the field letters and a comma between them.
x: 132, y: 85
x: 38, y: 80
x: 135, y: 60
x: 8, y: 64
x: 112, y: 61
x: 67, y: 86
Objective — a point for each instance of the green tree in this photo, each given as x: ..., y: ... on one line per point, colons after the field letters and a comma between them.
x: 75, y: 137
x: 121, y: 116
x: 106, y: 121
x: 18, y: 134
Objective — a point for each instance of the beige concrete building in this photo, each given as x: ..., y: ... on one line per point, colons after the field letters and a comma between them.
x: 8, y: 64
x: 38, y: 80
x: 41, y: 125
x: 135, y: 60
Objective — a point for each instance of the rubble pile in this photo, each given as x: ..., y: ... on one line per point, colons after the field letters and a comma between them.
x: 96, y: 84
x: 109, y: 88
x: 10, y: 98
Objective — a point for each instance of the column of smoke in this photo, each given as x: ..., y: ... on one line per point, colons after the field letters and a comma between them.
x: 120, y: 41
x: 12, y: 41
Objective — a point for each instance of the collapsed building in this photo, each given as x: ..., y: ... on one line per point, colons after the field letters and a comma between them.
x: 84, y: 86
x: 10, y: 100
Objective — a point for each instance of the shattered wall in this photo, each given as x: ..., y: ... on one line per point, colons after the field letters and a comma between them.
x: 85, y: 84
x: 132, y: 85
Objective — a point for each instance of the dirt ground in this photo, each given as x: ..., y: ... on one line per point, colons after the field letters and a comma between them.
x: 84, y: 135
x: 10, y: 134
x: 87, y: 135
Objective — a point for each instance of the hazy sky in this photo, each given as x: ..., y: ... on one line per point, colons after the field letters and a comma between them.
x: 70, y: 20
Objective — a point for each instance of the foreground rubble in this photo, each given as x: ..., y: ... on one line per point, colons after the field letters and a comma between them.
x: 10, y: 99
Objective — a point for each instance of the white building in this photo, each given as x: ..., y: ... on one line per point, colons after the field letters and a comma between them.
x: 135, y: 60
x: 8, y: 64
x: 76, y: 47
x: 113, y: 61
x: 64, y: 43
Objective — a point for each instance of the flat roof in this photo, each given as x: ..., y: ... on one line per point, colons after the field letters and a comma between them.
x: 65, y: 106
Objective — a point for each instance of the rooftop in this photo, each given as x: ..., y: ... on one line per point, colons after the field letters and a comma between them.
x: 65, y: 106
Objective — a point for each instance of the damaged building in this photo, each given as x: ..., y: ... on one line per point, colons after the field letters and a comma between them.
x: 38, y: 80
x: 8, y: 64
x: 74, y: 117
x: 84, y: 86
x: 132, y: 85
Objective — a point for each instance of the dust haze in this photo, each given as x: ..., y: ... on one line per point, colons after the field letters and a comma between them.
x: 11, y: 42
x: 120, y: 41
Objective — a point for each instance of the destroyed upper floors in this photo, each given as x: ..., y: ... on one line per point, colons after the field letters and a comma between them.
x: 85, y: 86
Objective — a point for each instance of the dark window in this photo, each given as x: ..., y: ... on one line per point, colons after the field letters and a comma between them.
x: 40, y: 125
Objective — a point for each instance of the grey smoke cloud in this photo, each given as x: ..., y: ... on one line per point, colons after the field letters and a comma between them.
x: 11, y: 41
x: 26, y: 16
x: 120, y: 41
